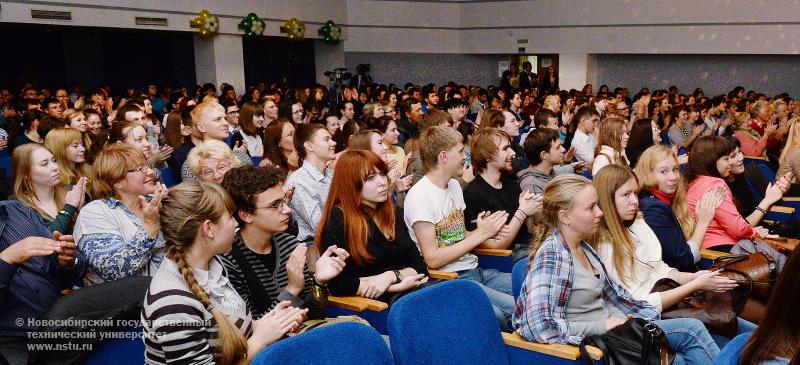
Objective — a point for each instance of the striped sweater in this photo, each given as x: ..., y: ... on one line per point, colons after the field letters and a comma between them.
x: 261, y: 288
x: 178, y: 328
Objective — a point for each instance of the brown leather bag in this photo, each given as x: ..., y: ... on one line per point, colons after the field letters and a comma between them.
x: 714, y: 309
x: 755, y: 273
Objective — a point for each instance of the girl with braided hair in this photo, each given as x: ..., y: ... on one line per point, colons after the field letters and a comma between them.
x: 191, y: 313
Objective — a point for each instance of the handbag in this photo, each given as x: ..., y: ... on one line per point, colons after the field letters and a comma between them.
x: 714, y: 309
x: 637, y: 341
x: 755, y: 273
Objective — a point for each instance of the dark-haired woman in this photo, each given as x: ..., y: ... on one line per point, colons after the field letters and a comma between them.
x: 383, y: 258
x: 644, y: 133
x: 709, y: 165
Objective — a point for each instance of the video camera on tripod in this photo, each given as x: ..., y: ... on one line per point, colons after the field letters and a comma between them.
x: 338, y: 74
x: 336, y: 85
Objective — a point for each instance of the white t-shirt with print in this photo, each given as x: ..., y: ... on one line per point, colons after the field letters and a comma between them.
x: 444, y: 208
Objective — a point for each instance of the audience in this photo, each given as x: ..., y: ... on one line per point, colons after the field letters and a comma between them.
x: 434, y: 215
x: 568, y: 293
x: 469, y: 186
x: 266, y: 265
x: 631, y: 250
x: 191, y: 312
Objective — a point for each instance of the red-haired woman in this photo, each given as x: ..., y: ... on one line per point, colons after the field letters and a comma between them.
x: 383, y: 258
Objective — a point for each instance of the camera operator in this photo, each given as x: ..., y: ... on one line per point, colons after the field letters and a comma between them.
x: 362, y: 78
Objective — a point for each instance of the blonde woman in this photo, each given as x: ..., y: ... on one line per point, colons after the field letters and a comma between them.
x: 790, y: 157
x: 38, y: 184
x: 191, y: 288
x: 76, y: 119
x: 569, y: 293
x: 663, y: 200
x: 210, y: 160
x: 611, y: 143
x: 66, y: 144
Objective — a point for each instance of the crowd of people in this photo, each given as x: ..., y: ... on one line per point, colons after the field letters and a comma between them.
x: 247, y: 211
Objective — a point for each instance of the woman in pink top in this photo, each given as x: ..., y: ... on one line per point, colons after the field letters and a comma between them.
x: 709, y: 165
x: 753, y: 143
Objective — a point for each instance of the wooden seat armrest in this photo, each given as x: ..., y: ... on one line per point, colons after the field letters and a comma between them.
x: 568, y: 352
x: 491, y: 252
x: 357, y: 304
x: 781, y: 209
x: 791, y: 198
x: 442, y: 275
x: 762, y: 158
x: 712, y: 255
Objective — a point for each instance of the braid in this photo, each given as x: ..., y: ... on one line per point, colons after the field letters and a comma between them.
x: 233, y: 345
x: 188, y: 275
x: 182, y: 213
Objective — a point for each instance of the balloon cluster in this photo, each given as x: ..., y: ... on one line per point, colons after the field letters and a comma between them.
x: 330, y: 32
x: 252, y: 26
x: 206, y: 24
x: 294, y: 29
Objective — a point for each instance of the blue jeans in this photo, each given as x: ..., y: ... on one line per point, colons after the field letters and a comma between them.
x: 743, y: 327
x: 690, y: 340
x: 497, y: 286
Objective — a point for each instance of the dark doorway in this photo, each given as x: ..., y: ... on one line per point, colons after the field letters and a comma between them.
x: 56, y: 56
x: 276, y: 59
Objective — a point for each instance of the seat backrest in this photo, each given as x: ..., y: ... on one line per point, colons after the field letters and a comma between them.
x: 340, y: 343
x: 126, y: 350
x: 729, y: 355
x: 518, y: 276
x: 447, y: 323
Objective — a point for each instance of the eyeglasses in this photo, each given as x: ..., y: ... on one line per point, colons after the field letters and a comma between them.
x: 207, y: 173
x: 233, y: 112
x: 277, y: 206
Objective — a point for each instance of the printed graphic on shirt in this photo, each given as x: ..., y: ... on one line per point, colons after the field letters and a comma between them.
x: 450, y: 229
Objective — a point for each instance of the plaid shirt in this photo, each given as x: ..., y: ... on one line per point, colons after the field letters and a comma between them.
x: 540, y: 311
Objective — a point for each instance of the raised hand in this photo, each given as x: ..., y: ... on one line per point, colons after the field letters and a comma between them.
x: 150, y: 209
x: 76, y: 195
x: 708, y: 204
x: 530, y: 203
x: 489, y: 224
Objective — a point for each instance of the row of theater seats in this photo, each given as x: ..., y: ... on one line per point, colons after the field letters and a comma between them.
x: 448, y: 323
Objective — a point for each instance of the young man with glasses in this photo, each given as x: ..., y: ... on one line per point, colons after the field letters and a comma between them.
x: 266, y: 265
